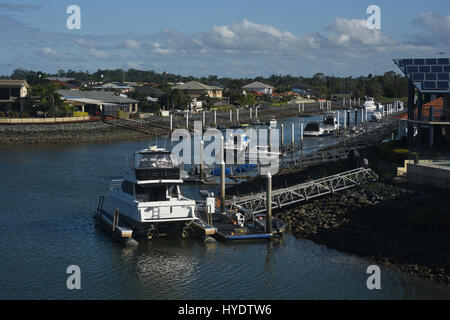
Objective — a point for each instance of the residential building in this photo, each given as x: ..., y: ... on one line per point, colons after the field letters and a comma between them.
x: 96, y: 102
x: 12, y: 93
x: 194, y: 89
x: 259, y: 87
x: 429, y: 115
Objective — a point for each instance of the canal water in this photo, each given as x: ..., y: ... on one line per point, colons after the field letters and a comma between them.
x: 48, y: 195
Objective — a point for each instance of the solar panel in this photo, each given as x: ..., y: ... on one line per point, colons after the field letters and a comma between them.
x: 429, y: 85
x: 432, y: 73
x: 418, y: 77
x: 442, y: 85
x: 436, y: 68
x: 406, y: 62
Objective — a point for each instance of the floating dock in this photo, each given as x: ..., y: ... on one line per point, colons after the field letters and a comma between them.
x: 114, y: 227
x: 227, y: 230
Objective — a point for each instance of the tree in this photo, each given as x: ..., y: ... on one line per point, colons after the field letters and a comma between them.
x: 374, y: 89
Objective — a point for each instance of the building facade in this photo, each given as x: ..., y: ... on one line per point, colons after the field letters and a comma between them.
x: 12, y: 93
x: 428, y: 101
x: 259, y: 87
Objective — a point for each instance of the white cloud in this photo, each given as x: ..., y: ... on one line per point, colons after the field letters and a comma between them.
x: 158, y: 49
x: 99, y: 54
x: 437, y: 24
x: 132, y: 44
x: 349, y: 32
x: 247, y: 36
x: 47, y: 51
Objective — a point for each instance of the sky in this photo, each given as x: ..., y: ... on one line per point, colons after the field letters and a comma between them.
x: 230, y: 38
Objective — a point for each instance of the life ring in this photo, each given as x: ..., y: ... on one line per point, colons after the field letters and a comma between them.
x: 217, y: 202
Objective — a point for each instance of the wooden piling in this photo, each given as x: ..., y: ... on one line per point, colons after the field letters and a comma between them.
x: 269, y: 203
x: 222, y: 176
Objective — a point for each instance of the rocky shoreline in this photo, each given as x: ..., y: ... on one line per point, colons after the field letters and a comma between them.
x: 403, y: 229
x: 66, y: 133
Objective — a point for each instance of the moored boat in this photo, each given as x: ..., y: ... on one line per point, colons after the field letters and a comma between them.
x: 149, y: 198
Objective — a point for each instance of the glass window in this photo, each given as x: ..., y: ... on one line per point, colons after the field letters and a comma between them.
x: 127, y: 187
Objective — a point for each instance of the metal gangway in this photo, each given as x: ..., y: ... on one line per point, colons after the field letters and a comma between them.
x: 319, y: 157
x: 312, y: 189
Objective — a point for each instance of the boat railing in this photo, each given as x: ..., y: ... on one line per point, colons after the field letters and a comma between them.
x: 116, y: 183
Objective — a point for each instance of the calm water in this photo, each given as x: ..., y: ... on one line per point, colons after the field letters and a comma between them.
x: 48, y: 196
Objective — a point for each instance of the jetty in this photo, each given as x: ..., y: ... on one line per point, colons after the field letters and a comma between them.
x: 296, y: 194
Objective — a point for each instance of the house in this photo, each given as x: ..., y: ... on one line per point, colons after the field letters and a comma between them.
x: 96, y: 102
x: 429, y: 116
x: 194, y: 89
x: 12, y: 93
x: 259, y: 87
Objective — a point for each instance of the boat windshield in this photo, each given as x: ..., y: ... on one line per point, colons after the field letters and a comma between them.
x: 153, y: 160
x: 312, y: 126
x: 329, y: 120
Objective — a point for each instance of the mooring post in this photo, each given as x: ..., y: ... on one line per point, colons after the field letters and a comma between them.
x: 203, y: 121
x: 337, y: 120
x: 269, y: 203
x: 301, y: 139
x: 345, y: 119
x: 222, y: 176
x: 282, y: 135
x: 202, y: 167
x: 269, y: 138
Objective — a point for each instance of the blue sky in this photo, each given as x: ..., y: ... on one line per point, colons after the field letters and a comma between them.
x: 227, y: 38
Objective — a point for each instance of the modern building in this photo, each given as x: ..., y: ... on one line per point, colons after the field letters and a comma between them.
x: 259, y: 87
x: 11, y: 94
x: 95, y: 102
x: 194, y: 89
x: 429, y: 114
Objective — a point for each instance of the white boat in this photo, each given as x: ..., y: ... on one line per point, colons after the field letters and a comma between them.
x: 376, y: 116
x: 369, y: 104
x: 313, y: 129
x: 272, y: 122
x: 149, y: 197
x: 330, y: 122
